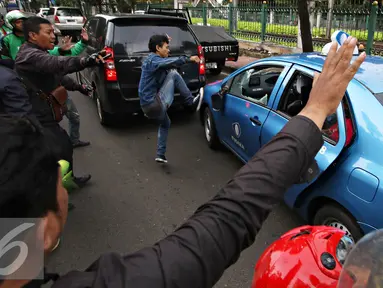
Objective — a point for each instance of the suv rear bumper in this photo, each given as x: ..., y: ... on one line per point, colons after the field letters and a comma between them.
x: 69, y: 27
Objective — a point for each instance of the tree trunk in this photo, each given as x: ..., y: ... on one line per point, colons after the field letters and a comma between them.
x: 304, y: 18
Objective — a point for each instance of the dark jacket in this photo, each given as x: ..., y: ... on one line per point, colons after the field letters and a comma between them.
x: 154, y: 70
x: 197, y: 253
x: 14, y: 99
x: 44, y: 72
x: 70, y: 84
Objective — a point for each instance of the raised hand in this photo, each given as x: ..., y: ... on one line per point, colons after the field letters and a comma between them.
x: 330, y: 86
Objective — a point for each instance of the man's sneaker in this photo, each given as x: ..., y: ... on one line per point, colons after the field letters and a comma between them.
x: 80, y: 143
x: 57, y: 245
x: 81, y: 181
x: 200, y: 94
x: 161, y: 159
x: 193, y: 107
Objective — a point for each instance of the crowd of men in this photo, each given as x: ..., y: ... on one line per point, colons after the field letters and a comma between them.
x: 197, y: 253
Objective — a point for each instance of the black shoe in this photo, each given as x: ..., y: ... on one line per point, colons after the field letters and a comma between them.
x: 80, y: 143
x: 71, y: 206
x: 81, y: 181
x: 161, y: 159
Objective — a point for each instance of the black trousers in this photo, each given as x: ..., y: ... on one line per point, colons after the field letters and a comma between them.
x: 60, y: 142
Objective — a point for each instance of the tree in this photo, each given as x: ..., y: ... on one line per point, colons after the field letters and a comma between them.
x: 305, y: 26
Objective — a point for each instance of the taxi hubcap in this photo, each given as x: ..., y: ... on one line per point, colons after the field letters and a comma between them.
x: 336, y: 224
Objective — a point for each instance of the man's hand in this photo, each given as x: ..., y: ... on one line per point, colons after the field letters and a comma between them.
x: 93, y: 59
x: 330, y: 86
x: 66, y: 43
x: 195, y: 59
x: 85, y: 89
x: 84, y: 35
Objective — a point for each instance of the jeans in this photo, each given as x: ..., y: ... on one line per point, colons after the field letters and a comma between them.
x: 74, y: 121
x: 172, y: 82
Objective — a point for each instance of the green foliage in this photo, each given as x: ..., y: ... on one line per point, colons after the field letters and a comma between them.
x: 288, y: 30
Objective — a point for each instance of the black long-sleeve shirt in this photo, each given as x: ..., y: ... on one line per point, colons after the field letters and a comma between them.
x: 198, y: 252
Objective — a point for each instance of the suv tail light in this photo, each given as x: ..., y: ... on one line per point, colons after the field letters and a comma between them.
x: 110, y: 69
x: 201, y: 56
x: 57, y: 20
x: 83, y: 19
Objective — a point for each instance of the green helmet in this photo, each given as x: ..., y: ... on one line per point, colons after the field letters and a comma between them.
x: 12, y: 16
x: 67, y: 176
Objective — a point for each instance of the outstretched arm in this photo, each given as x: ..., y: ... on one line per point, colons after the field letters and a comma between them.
x: 197, y: 253
x: 170, y: 62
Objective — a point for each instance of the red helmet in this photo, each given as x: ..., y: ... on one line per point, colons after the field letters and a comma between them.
x: 307, y: 256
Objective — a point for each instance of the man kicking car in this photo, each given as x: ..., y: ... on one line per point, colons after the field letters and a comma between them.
x: 158, y: 81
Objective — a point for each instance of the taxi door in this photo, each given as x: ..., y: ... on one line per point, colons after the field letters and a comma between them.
x: 247, y: 106
x: 279, y: 116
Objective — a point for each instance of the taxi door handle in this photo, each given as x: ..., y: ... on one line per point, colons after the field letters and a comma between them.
x: 255, y: 121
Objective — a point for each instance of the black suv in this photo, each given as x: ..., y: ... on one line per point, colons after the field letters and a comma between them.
x: 126, y: 37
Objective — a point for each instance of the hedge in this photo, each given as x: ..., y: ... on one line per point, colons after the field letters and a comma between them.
x: 361, y: 35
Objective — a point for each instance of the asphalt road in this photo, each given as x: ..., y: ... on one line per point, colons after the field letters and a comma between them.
x: 133, y: 201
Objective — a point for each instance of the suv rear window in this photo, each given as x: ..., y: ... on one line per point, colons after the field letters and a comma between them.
x: 68, y: 12
x: 133, y: 38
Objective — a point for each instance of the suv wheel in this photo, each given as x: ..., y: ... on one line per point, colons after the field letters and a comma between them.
x: 334, y: 216
x: 104, y: 117
x: 209, y: 128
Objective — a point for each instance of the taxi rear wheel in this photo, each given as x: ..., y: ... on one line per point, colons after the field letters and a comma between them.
x: 334, y: 216
x: 209, y: 128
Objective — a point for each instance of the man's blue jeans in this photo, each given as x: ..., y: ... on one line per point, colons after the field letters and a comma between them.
x: 172, y: 82
x: 74, y: 121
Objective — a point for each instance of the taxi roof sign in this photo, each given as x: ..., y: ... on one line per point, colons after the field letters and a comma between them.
x: 339, y: 37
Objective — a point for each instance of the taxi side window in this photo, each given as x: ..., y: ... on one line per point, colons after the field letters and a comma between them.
x: 256, y: 84
x: 295, y: 98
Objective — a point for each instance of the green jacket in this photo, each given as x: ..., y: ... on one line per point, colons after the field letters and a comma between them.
x: 4, y: 30
x: 11, y: 43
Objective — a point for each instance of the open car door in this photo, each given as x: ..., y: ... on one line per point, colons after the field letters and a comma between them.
x: 291, y: 95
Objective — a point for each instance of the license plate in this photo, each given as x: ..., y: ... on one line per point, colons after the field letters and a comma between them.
x: 70, y: 20
x: 211, y: 65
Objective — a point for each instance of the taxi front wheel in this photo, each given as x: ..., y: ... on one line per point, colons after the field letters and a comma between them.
x: 335, y: 216
x: 210, y: 130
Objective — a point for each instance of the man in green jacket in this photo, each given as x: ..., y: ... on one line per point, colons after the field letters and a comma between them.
x: 10, y: 45
x: 12, y: 42
x: 4, y: 29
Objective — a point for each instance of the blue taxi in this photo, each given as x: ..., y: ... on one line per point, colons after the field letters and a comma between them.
x: 247, y: 108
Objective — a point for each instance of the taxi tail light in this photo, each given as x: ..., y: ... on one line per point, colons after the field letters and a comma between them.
x: 57, y: 20
x: 110, y: 69
x: 201, y: 56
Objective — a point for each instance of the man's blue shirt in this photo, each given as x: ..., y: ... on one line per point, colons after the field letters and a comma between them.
x: 154, y: 71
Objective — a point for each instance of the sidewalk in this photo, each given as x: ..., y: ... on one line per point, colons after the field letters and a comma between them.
x: 242, y: 61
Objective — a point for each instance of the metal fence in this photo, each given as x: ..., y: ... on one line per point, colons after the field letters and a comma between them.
x: 280, y: 19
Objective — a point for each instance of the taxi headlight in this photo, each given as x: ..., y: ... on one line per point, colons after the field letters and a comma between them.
x: 344, y: 246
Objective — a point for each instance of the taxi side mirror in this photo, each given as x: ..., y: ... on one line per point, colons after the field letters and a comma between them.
x: 217, y: 98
